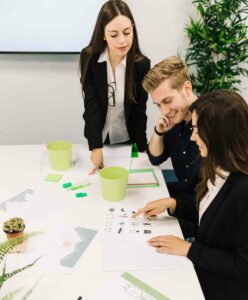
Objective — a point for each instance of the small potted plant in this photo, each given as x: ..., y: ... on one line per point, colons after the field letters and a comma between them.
x: 13, y: 227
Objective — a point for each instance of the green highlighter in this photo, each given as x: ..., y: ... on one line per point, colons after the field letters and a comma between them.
x: 78, y: 186
x: 72, y: 187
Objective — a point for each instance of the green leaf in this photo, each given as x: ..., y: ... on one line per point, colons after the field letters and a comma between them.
x: 7, y: 245
x: 218, y: 44
x: 6, y: 276
x: 11, y: 295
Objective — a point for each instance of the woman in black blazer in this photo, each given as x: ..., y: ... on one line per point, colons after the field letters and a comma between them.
x: 112, y: 70
x: 220, y: 252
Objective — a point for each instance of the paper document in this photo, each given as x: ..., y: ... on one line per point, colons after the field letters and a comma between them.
x: 142, y: 178
x: 125, y: 245
x: 61, y: 247
x: 117, y: 156
x: 119, y: 225
x: 128, y: 287
x: 137, y: 256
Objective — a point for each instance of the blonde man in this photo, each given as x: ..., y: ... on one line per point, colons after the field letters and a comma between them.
x: 170, y: 88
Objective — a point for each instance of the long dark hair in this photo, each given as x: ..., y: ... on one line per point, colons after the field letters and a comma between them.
x: 108, y: 12
x: 223, y: 126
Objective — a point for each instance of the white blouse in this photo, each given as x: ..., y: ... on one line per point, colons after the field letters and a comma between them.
x: 213, y: 190
x: 115, y: 125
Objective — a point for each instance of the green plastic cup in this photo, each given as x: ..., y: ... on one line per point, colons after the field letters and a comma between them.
x: 59, y: 153
x: 114, y: 183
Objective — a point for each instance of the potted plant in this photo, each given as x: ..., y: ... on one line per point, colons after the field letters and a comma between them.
x: 218, y: 44
x: 13, y: 228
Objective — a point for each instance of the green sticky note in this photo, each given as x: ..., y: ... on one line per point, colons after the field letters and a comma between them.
x: 80, y: 195
x: 53, y: 177
x: 67, y: 185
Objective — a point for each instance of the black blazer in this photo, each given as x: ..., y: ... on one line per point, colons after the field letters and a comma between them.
x: 96, y: 103
x: 220, y: 253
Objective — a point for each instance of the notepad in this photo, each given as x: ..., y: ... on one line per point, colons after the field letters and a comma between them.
x: 142, y: 178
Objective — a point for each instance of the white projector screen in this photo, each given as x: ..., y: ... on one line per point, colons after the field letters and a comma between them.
x: 47, y: 25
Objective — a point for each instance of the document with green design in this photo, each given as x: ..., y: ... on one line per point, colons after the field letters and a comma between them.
x: 128, y: 287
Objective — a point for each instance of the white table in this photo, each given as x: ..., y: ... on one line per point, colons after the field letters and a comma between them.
x: 25, y: 167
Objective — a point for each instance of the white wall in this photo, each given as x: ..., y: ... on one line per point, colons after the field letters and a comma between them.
x: 40, y: 95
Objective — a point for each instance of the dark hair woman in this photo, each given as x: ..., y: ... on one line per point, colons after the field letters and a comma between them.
x: 112, y: 70
x: 220, y: 252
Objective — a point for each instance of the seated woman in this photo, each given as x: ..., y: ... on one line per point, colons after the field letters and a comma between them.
x: 220, y: 252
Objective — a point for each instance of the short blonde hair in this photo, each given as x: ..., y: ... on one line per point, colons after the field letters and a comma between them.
x: 172, y: 68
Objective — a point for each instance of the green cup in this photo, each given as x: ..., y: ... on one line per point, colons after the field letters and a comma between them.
x: 114, y: 183
x: 59, y: 153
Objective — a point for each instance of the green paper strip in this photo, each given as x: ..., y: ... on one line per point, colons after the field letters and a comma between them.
x: 143, y: 286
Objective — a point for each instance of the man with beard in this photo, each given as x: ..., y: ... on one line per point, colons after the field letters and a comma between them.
x: 168, y: 83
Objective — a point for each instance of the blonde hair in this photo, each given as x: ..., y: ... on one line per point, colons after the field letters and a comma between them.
x: 172, y: 68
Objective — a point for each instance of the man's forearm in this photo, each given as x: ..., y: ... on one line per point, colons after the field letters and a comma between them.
x: 156, y: 145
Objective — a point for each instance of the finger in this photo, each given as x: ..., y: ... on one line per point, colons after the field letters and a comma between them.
x: 158, y: 239
x: 139, y: 212
x: 151, y: 214
x: 93, y: 170
x: 166, y: 121
x: 163, y: 250
x: 156, y: 244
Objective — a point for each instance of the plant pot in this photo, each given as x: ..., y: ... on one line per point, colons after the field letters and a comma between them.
x: 20, y: 247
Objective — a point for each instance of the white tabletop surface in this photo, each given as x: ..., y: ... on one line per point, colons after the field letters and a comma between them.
x: 25, y: 167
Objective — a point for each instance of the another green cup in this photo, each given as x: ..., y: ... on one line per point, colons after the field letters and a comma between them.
x: 114, y: 183
x: 59, y: 153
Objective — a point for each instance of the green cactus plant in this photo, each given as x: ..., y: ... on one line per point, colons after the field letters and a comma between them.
x: 13, y: 225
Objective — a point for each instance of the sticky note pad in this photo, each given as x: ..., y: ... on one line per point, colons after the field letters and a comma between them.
x: 67, y: 185
x: 80, y: 195
x: 53, y: 177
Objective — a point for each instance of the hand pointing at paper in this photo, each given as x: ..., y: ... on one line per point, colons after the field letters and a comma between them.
x: 167, y: 243
x: 156, y: 207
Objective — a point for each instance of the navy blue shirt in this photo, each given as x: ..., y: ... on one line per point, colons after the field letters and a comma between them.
x: 184, y: 155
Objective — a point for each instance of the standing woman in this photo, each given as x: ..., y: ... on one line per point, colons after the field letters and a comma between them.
x: 220, y: 252
x: 112, y: 70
